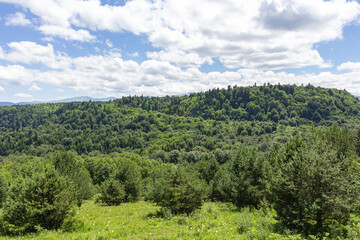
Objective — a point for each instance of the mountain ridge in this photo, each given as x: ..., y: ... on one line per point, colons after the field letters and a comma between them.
x: 65, y: 100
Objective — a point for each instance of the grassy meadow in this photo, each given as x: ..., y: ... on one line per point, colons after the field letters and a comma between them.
x: 143, y: 220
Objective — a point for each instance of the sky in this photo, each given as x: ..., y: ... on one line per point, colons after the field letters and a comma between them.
x: 54, y: 49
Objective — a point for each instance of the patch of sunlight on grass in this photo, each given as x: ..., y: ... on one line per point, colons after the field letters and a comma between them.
x: 143, y: 220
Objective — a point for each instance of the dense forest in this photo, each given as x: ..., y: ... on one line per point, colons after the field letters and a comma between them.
x: 218, y: 118
x: 292, y: 150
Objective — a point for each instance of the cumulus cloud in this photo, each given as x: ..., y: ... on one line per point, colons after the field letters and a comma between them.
x: 66, y: 33
x: 64, y: 18
x: 113, y: 76
x: 350, y: 66
x: 30, y: 52
x: 258, y: 34
x: 18, y: 75
x: 17, y: 19
x: 261, y: 34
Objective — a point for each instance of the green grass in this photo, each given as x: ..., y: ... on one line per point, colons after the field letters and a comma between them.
x: 142, y: 221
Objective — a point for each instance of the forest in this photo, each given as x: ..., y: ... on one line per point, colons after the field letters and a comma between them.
x: 259, y: 162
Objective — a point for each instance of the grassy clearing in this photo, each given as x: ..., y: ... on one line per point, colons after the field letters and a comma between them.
x: 142, y: 221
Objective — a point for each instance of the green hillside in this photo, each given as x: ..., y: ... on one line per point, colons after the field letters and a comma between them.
x: 261, y: 162
x: 207, y: 120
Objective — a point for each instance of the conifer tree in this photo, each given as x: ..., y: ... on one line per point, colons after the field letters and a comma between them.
x: 42, y: 200
x: 316, y: 185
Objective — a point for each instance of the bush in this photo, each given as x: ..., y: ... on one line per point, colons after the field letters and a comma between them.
x: 178, y: 188
x: 112, y: 192
x: 41, y: 201
x: 71, y: 223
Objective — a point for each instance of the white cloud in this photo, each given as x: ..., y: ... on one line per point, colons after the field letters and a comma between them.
x: 261, y: 34
x: 180, y: 58
x: 258, y: 34
x: 23, y: 95
x: 2, y: 89
x: 34, y: 87
x: 66, y: 33
x: 18, y: 75
x: 17, y: 19
x: 113, y: 76
x: 351, y: 66
x: 55, y: 18
x: 30, y: 52
x: 60, y: 18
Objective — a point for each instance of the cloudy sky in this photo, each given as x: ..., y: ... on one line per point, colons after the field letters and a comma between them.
x: 53, y: 49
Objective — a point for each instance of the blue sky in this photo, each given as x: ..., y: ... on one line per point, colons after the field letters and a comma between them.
x: 55, y: 49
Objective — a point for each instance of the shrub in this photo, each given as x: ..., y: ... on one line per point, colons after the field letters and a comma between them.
x: 42, y: 200
x: 178, y: 188
x: 112, y: 192
x: 71, y: 223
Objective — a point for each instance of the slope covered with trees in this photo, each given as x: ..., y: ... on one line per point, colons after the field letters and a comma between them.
x: 207, y: 120
x: 293, y: 149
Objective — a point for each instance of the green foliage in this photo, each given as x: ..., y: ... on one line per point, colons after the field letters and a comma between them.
x: 243, y: 179
x: 177, y: 188
x: 174, y: 156
x: 207, y: 168
x: 230, y: 144
x: 155, y: 126
x: 112, y: 192
x: 256, y: 224
x: 224, y: 188
x: 72, y: 223
x: 129, y: 175
x: 41, y: 201
x: 316, y: 185
x: 68, y: 166
x: 3, y: 189
x: 222, y: 156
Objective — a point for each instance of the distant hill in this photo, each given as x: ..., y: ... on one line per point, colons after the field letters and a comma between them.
x: 289, y: 104
x: 83, y: 99
x: 6, y: 104
x: 205, y: 121
x: 66, y: 100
